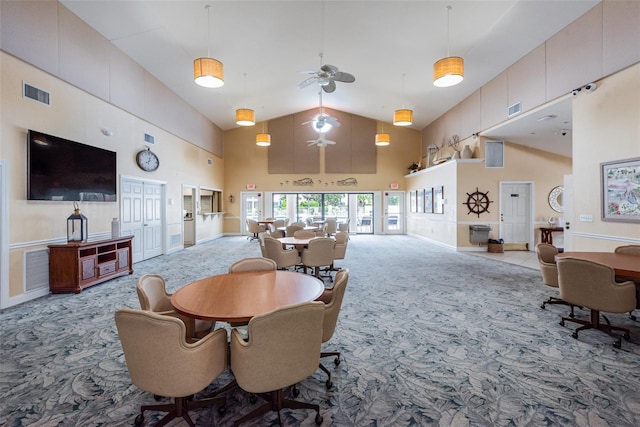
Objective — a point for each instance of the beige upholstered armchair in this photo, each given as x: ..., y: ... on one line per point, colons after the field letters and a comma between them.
x: 592, y: 285
x: 333, y: 302
x: 332, y: 226
x: 546, y: 258
x: 284, y: 258
x: 263, y: 250
x: 318, y: 254
x: 162, y: 362
x: 253, y: 264
x: 291, y: 229
x: 628, y: 249
x: 254, y: 228
x: 304, y: 234
x: 153, y: 296
x: 283, y: 349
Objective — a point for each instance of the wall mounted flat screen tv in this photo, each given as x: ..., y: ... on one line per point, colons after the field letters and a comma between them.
x: 59, y: 169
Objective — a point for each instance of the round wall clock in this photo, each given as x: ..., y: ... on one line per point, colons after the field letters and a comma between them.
x: 147, y: 160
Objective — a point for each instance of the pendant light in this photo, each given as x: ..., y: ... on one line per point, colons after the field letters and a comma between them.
x: 448, y: 71
x: 382, y: 139
x: 208, y: 72
x: 245, y: 116
x: 403, y: 117
x: 263, y: 139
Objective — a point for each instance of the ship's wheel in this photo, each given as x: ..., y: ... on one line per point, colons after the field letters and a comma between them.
x: 477, y: 202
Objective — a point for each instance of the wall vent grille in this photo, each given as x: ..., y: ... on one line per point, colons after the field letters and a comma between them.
x: 149, y: 138
x: 176, y: 239
x: 514, y: 109
x: 494, y: 154
x: 36, y: 94
x: 36, y: 269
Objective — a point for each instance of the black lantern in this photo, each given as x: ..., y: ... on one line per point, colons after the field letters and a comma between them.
x: 77, y: 226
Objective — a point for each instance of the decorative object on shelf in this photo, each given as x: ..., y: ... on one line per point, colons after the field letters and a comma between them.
x: 147, y: 160
x: 466, y: 153
x: 555, y: 198
x: 347, y: 182
x: 456, y: 155
x: 77, y: 229
x: 433, y: 148
x: 208, y: 72
x: 303, y: 182
x: 454, y: 143
x: 478, y: 202
x: 115, y: 228
x: 414, y: 167
x: 448, y: 71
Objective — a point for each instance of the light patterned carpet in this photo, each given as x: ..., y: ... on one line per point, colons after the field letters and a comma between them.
x: 428, y: 337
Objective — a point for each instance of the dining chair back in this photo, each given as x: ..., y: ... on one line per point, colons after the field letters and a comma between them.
x: 254, y: 228
x: 284, y: 258
x: 628, y: 249
x: 319, y: 253
x: 546, y: 259
x: 304, y: 234
x: 593, y: 286
x: 253, y: 264
x: 261, y: 237
x: 283, y: 349
x: 291, y: 229
x: 153, y: 296
x: 162, y: 362
x: 332, y: 226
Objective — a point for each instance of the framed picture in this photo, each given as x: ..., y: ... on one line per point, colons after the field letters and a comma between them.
x: 620, y: 189
x: 413, y: 195
x: 420, y: 201
x: 438, y: 199
x: 428, y: 200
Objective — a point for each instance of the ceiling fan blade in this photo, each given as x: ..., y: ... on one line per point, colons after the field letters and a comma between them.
x: 330, y: 87
x: 343, y: 77
x: 332, y: 121
x: 307, y: 82
x: 329, y: 142
x: 312, y: 142
x: 329, y: 68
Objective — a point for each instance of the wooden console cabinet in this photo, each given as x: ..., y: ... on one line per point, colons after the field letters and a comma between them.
x: 75, y: 266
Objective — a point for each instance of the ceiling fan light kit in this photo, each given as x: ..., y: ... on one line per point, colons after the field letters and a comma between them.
x: 263, y: 140
x: 403, y: 117
x: 245, y: 117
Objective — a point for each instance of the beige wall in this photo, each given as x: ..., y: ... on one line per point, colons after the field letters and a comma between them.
x: 606, y: 128
x: 246, y: 163
x: 78, y: 116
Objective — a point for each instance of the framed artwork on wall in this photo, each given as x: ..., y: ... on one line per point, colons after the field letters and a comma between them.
x: 420, y: 201
x: 438, y: 198
x: 428, y: 200
x: 620, y: 190
x: 412, y: 200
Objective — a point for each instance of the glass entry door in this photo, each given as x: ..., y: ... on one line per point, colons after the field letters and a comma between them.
x: 393, y: 205
x: 251, y: 209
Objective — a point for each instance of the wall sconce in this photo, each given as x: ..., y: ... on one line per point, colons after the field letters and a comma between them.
x: 230, y: 198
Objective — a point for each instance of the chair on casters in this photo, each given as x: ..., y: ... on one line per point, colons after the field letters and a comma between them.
x: 278, y: 355
x: 162, y: 362
x: 253, y: 264
x: 318, y: 254
x: 332, y: 298
x: 284, y: 258
x: 153, y: 296
x: 630, y: 250
x: 546, y: 258
x: 592, y: 285
x: 254, y: 228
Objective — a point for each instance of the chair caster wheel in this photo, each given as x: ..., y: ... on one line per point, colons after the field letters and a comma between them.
x: 295, y: 391
x: 337, y: 361
x: 626, y: 337
x: 157, y: 397
x: 139, y: 420
x: 542, y: 306
x: 575, y: 335
x: 562, y: 323
x: 253, y: 398
x: 222, y: 409
x: 617, y: 344
x: 329, y: 384
x: 319, y: 419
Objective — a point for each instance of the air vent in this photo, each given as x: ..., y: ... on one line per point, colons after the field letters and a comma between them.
x: 36, y: 94
x: 149, y: 138
x: 494, y: 154
x: 36, y: 269
x: 514, y: 109
x: 209, y: 162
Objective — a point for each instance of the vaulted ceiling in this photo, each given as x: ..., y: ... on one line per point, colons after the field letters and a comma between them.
x: 390, y: 47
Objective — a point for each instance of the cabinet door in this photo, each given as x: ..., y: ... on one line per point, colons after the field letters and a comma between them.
x: 123, y: 259
x: 87, y: 269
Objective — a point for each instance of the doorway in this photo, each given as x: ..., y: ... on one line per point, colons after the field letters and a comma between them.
x: 250, y: 208
x: 516, y: 213
x: 393, y: 208
x: 142, y: 213
x: 188, y: 222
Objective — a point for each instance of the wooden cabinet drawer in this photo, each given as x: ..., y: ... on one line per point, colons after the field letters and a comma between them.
x: 107, y: 268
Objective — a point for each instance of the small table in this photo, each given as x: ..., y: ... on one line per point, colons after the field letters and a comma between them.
x: 293, y: 241
x: 547, y: 234
x: 237, y: 297
x: 626, y: 266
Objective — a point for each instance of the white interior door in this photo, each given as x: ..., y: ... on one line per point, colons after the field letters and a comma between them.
x: 251, y: 208
x: 515, y: 212
x: 567, y: 212
x: 393, y: 205
x: 142, y: 217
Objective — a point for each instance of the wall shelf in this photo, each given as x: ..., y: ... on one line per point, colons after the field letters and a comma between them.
x: 442, y: 165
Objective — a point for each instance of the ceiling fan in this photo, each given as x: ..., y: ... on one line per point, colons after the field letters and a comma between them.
x: 322, y: 123
x: 321, y: 141
x: 327, y: 77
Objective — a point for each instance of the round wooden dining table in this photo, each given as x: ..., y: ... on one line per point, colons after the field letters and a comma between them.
x: 237, y: 297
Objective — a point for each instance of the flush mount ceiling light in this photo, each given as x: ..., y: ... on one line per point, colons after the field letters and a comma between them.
x: 208, y: 72
x: 403, y: 117
x: 448, y: 71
